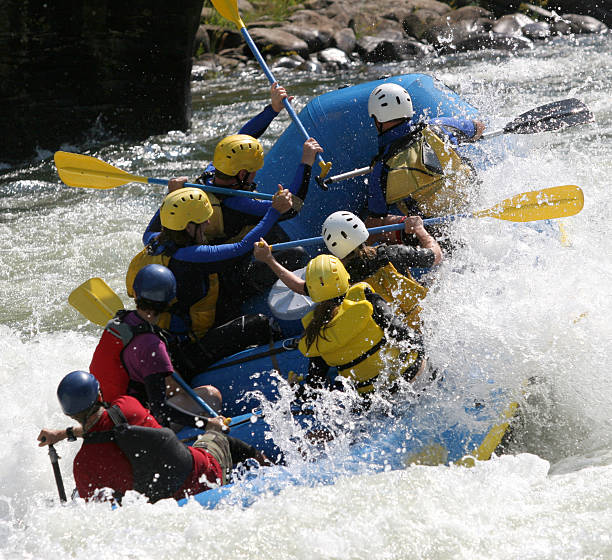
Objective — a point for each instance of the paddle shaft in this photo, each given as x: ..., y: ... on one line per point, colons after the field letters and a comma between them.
x: 286, y: 103
x: 373, y: 231
x: 216, y: 190
x: 185, y: 386
x: 544, y: 118
x: 57, y: 473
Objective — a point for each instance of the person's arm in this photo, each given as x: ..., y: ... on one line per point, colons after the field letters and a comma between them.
x: 48, y: 436
x: 259, y: 123
x: 226, y: 251
x: 458, y: 129
x: 414, y: 225
x: 155, y: 385
x: 263, y: 253
x: 153, y: 229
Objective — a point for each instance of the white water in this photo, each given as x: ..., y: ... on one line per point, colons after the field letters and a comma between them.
x: 515, y: 301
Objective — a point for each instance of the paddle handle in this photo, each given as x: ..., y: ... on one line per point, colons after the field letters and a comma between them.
x: 325, y: 167
x: 373, y: 231
x: 216, y: 190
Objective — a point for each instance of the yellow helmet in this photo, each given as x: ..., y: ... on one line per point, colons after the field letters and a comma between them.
x: 326, y: 278
x: 185, y: 205
x: 236, y: 152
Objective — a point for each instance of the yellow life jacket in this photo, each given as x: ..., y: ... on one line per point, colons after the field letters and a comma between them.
x: 404, y: 291
x: 429, y: 171
x: 201, y: 313
x: 216, y: 228
x: 355, y: 344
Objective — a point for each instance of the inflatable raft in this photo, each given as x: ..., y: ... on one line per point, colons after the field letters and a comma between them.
x: 452, y: 430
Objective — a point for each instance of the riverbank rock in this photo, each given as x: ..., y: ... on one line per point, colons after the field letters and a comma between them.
x: 386, y: 30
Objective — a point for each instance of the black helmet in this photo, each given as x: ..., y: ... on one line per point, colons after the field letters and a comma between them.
x: 155, y: 283
x: 77, y: 392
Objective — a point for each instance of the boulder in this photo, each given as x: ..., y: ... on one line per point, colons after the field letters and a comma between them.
x: 417, y: 23
x: 277, y: 41
x: 345, y: 40
x: 511, y: 24
x: 469, y: 13
x: 584, y: 24
x: 493, y: 41
x: 334, y: 58
x: 316, y: 39
x: 537, y: 31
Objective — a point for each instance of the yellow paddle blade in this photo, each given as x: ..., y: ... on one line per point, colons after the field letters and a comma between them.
x: 229, y: 10
x: 545, y: 204
x: 96, y: 300
x: 77, y: 170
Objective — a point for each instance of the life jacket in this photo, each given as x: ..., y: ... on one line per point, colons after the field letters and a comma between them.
x: 107, y: 364
x: 424, y: 167
x: 404, y: 291
x: 160, y: 462
x: 216, y: 227
x: 199, y: 317
x: 355, y: 344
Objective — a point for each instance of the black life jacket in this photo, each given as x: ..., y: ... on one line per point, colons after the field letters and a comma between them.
x: 160, y: 462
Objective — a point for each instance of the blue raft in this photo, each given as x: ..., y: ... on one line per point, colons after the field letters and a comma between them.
x: 340, y: 121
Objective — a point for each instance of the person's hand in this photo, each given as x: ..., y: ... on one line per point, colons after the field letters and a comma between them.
x: 218, y: 424
x: 176, y: 183
x: 262, y: 251
x: 282, y: 200
x: 413, y: 224
x: 50, y: 437
x: 480, y: 128
x: 310, y: 150
x: 277, y: 94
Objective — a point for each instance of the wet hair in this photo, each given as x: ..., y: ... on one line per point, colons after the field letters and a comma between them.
x: 154, y: 306
x: 174, y: 238
x: 323, y: 313
x: 360, y: 256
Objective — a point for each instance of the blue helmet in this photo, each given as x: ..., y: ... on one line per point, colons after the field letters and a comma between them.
x: 77, y: 392
x: 156, y: 283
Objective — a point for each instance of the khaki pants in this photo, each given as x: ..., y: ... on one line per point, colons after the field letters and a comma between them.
x: 217, y: 445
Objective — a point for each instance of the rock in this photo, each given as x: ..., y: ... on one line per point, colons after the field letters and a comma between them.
x: 431, y: 5
x: 417, y: 23
x: 389, y: 47
x: 334, y: 57
x: 511, y: 24
x: 201, y: 43
x: 316, y: 39
x: 276, y: 41
x: 311, y: 18
x: 220, y: 38
x: 291, y: 62
x: 537, y: 31
x: 469, y: 13
x: 444, y: 35
x: 493, y: 41
x: 345, y: 40
x: 584, y: 24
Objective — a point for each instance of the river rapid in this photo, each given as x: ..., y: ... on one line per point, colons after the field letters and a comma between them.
x: 515, y: 301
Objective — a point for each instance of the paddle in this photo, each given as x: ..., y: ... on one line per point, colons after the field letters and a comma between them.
x: 97, y: 301
x: 545, y: 204
x: 545, y: 118
x: 77, y: 170
x: 57, y: 473
x: 229, y: 10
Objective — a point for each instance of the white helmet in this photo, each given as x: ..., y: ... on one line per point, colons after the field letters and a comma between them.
x: 343, y: 232
x: 390, y: 101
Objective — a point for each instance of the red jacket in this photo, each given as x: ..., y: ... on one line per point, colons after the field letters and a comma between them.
x: 103, y: 465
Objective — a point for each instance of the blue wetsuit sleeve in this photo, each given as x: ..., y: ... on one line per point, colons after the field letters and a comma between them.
x: 153, y: 229
x: 259, y: 123
x: 217, y: 253
x: 455, y: 128
x: 248, y: 205
x: 377, y: 204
